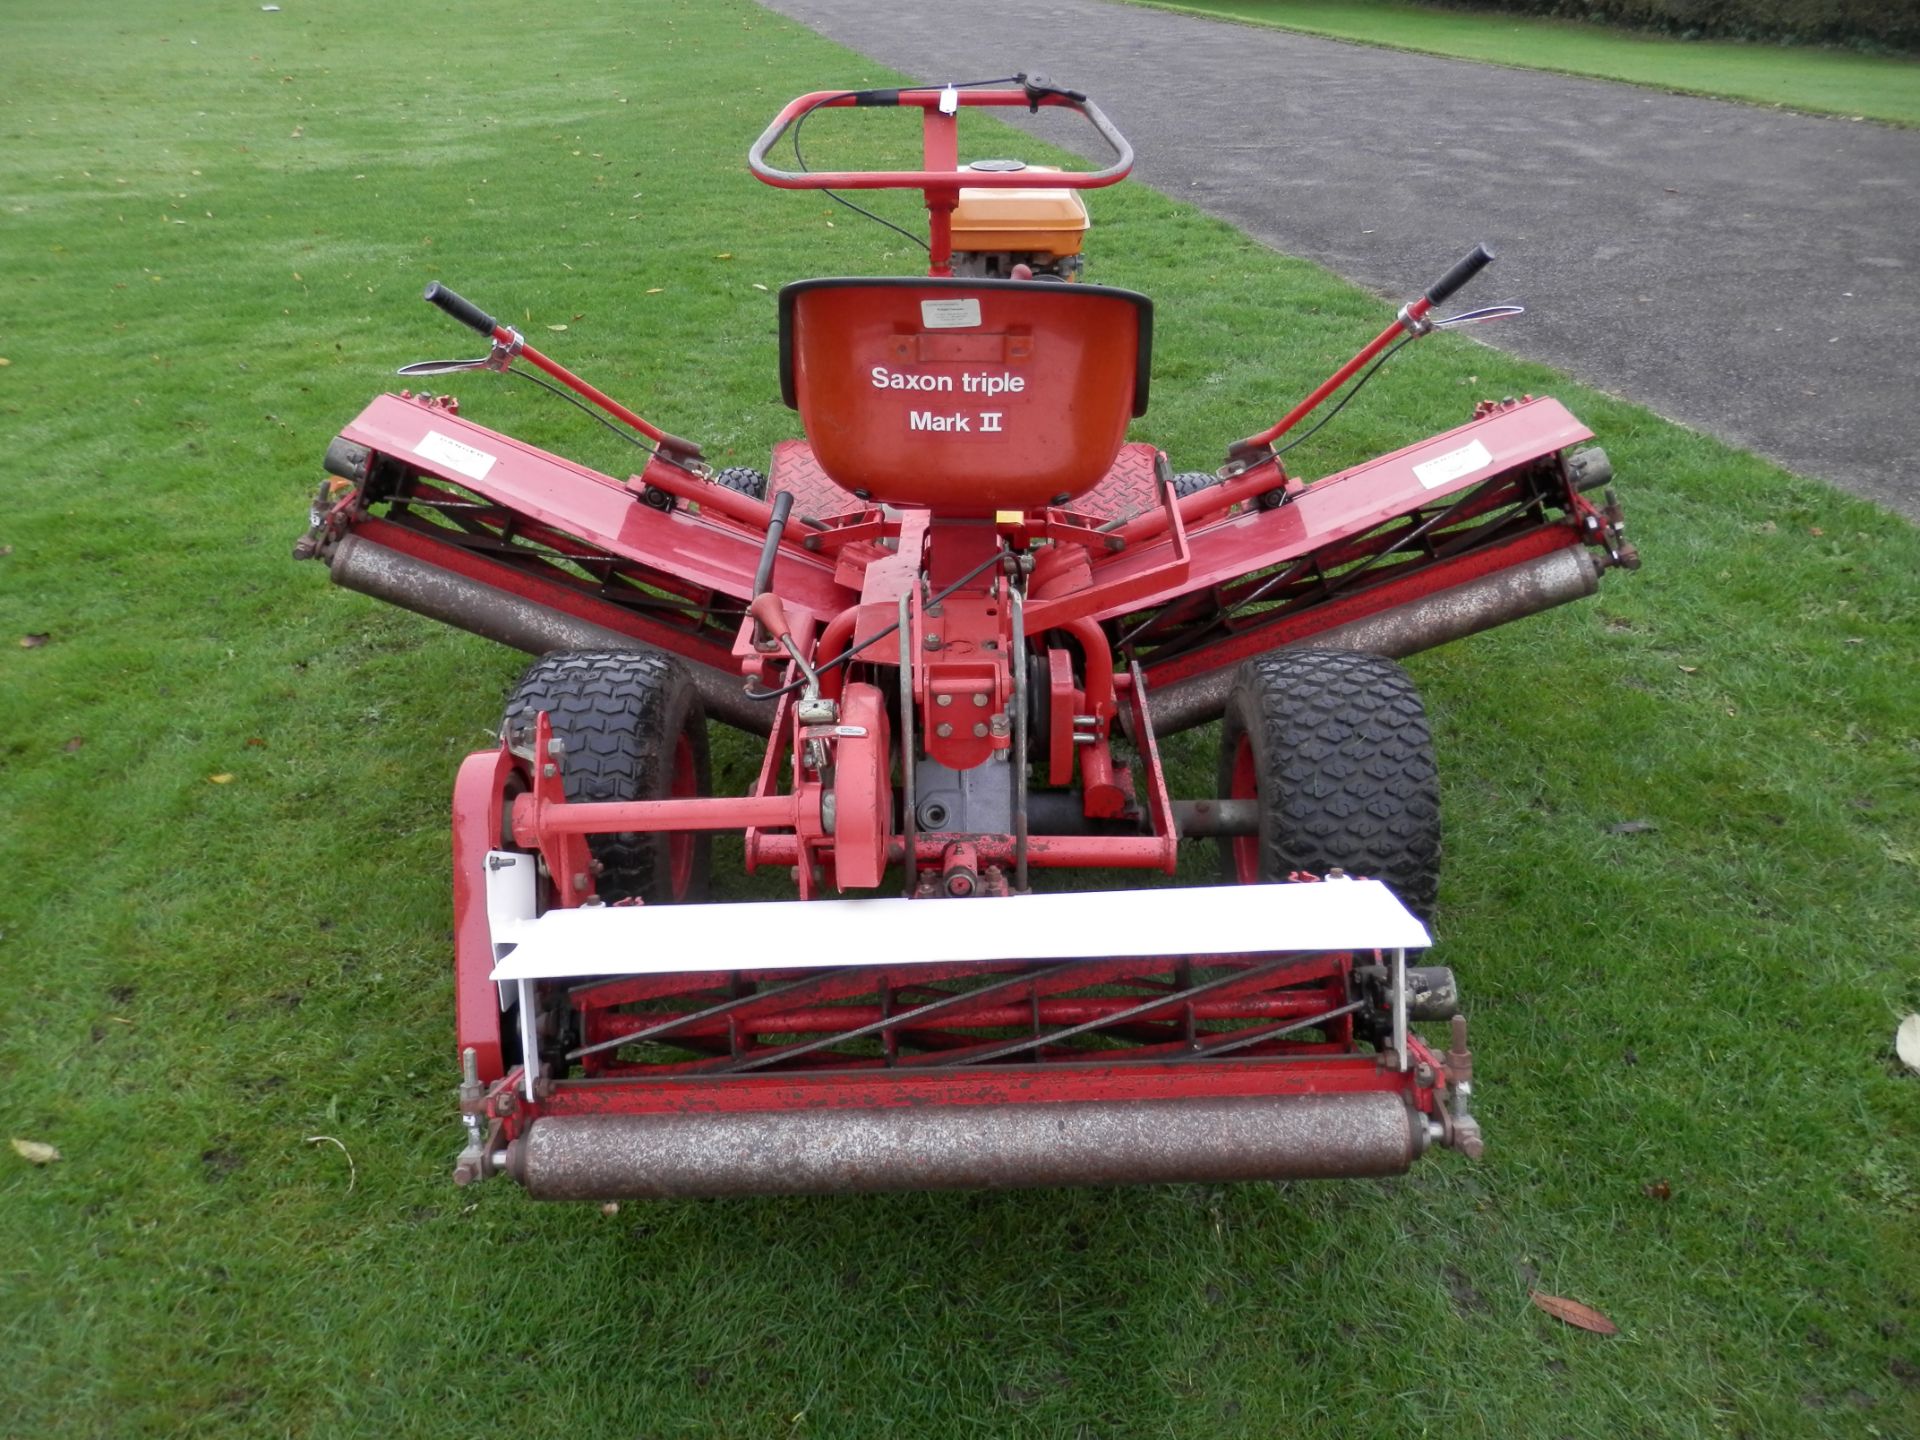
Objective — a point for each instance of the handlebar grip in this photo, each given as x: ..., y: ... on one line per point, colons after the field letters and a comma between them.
x: 1464, y: 270
x: 465, y: 311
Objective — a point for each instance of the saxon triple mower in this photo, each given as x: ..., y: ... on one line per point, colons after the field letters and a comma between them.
x: 963, y: 611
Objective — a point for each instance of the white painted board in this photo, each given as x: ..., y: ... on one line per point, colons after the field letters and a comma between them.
x: 813, y: 934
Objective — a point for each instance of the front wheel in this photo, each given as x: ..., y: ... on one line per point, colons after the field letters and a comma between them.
x: 633, y: 729
x: 1334, y: 747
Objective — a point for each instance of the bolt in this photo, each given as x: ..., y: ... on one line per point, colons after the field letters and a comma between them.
x: 979, y: 729
x: 1423, y: 1073
x: 579, y: 880
x: 933, y: 642
x: 943, y: 700
x: 549, y: 771
x: 944, y: 731
x: 980, y: 699
x: 465, y: 1173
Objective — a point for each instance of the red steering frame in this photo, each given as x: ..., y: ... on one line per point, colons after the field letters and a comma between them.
x: 942, y: 178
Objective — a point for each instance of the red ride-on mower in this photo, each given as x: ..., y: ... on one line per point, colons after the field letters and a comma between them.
x: 963, y: 611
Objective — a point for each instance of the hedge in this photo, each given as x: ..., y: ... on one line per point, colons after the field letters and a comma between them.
x: 1885, y: 24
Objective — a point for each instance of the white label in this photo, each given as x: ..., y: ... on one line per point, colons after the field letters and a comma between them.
x: 949, y: 314
x: 1452, y: 465
x: 472, y: 463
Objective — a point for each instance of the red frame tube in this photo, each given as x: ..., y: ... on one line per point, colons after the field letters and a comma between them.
x: 1409, y: 325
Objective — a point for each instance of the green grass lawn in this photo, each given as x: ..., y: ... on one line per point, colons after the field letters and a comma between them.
x: 217, y: 224
x: 1796, y: 77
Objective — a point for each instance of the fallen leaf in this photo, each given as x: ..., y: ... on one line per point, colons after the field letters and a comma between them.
x: 256, y: 742
x: 1632, y: 827
x: 4, y: 362
x: 758, y: 286
x: 656, y: 290
x: 1572, y: 1312
x: 612, y: 1207
x: 1658, y: 1190
x: 556, y: 327
x: 74, y: 744
x: 35, y: 1152
x: 221, y: 779
x: 1906, y: 1041
x: 1689, y: 669
x: 1815, y: 531
x: 34, y: 642
x: 353, y: 1170
x: 724, y: 255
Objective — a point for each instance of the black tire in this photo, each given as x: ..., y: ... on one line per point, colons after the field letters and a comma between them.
x: 749, y: 482
x: 1188, y: 482
x: 634, y: 729
x: 1337, y: 751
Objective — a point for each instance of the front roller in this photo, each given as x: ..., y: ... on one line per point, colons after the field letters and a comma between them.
x: 967, y: 1147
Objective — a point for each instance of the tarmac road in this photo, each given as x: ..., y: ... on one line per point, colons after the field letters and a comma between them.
x: 1752, y: 273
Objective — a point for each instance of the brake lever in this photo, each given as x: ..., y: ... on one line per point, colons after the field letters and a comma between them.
x: 1038, y: 85
x: 444, y: 367
x: 498, y: 358
x: 1477, y: 317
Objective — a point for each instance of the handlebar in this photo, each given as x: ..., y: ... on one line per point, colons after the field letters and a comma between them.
x: 929, y: 101
x: 1463, y: 270
x: 465, y: 311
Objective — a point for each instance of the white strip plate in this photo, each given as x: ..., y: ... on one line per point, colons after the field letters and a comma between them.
x: 1084, y: 924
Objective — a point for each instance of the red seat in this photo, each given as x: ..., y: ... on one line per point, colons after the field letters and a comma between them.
x: 964, y: 396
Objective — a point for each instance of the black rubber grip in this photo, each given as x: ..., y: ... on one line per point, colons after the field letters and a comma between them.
x: 876, y: 97
x: 1442, y: 289
x: 465, y: 311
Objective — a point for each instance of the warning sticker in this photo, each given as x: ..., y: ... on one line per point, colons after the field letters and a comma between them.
x: 949, y: 314
x: 464, y: 459
x: 1452, y: 465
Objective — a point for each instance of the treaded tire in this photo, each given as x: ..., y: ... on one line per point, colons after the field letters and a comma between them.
x: 1335, y: 746
x: 749, y: 482
x: 1189, y: 482
x: 634, y: 729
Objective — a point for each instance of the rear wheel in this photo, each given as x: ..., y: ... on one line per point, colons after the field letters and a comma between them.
x: 746, y: 480
x: 633, y: 729
x: 1334, y: 747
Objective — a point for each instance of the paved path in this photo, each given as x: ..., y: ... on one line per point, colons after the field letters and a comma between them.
x: 1751, y: 273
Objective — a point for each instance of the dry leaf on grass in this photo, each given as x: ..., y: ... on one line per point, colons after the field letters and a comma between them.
x: 353, y: 1170
x: 221, y: 779
x: 36, y: 1151
x: 34, y: 642
x: 1906, y: 1041
x: 74, y: 744
x: 1572, y: 1312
